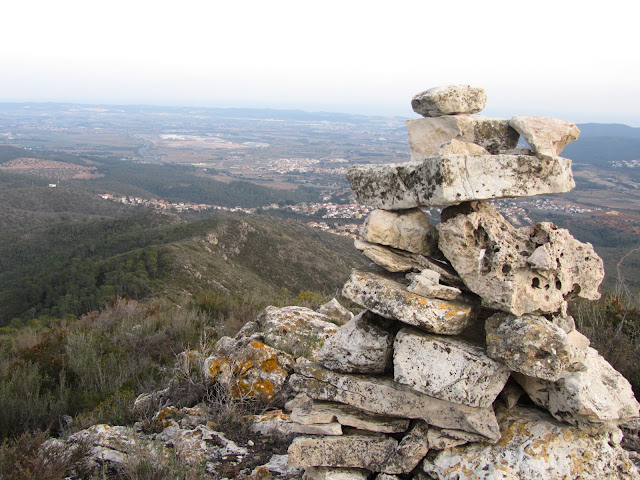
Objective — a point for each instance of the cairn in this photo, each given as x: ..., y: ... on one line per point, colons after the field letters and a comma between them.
x: 464, y: 363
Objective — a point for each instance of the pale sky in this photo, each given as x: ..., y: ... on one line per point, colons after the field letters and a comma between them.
x: 574, y: 60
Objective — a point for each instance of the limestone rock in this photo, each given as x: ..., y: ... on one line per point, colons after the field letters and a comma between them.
x: 277, y: 422
x: 386, y: 397
x: 533, y: 445
x: 494, y: 260
x: 335, y: 312
x: 328, y: 473
x: 391, y: 299
x: 411, y: 449
x: 443, y: 438
x: 531, y: 345
x: 296, y: 330
x: 248, y: 368
x: 388, y: 258
x: 591, y: 392
x: 451, y: 179
x: 447, y: 368
x: 511, y: 394
x: 449, y: 100
x: 350, y: 451
x: 423, y: 284
x: 362, y: 345
x: 429, y: 137
x: 407, y: 230
x: 547, y: 136
x: 327, y: 412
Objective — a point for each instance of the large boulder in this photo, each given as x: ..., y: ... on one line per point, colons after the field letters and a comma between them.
x: 384, y: 396
x: 447, y: 368
x: 451, y: 179
x: 532, y: 269
x: 362, y: 345
x: 429, y: 137
x: 533, y: 445
x: 407, y: 230
x: 391, y: 299
x: 547, y: 136
x: 449, y: 100
x: 590, y: 392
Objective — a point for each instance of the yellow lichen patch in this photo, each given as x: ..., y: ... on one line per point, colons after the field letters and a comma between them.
x: 269, y: 365
x: 257, y: 344
x: 252, y: 388
x: 167, y: 412
x: 215, y: 368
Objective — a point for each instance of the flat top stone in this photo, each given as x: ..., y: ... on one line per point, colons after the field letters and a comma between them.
x: 449, y: 100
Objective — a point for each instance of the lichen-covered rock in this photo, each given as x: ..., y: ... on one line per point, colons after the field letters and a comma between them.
x: 362, y: 345
x: 248, y: 368
x: 391, y: 299
x: 443, y: 438
x: 451, y: 179
x: 335, y: 312
x: 429, y: 137
x: 296, y: 330
x: 384, y: 396
x: 449, y: 100
x: 590, y: 392
x: 427, y: 284
x: 410, y: 451
x: 330, y: 473
x: 346, y: 415
x: 533, y: 445
x: 407, y: 230
x: 531, y: 269
x: 447, y: 368
x: 278, y: 422
x: 547, y: 136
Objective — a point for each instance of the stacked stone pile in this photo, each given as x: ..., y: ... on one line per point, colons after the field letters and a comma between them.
x: 464, y: 363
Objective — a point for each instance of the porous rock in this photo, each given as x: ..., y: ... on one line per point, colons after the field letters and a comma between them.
x: 384, y: 396
x: 447, y: 368
x: 335, y: 312
x: 407, y: 230
x: 449, y: 100
x: 547, y: 136
x: 531, y: 345
x: 590, y: 392
x: 391, y: 299
x: 429, y: 137
x: 533, y: 445
x: 451, y: 179
x: 362, y: 345
x: 531, y: 269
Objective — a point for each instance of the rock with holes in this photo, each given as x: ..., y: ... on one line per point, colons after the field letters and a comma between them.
x: 451, y: 179
x: 248, y: 368
x: 459, y: 135
x: 589, y: 392
x: 449, y: 100
x: 391, y: 299
x: 407, y: 230
x: 533, y: 445
x: 532, y: 269
x: 362, y: 345
x: 383, y: 396
x: 447, y: 368
x: 547, y: 136
x: 532, y: 345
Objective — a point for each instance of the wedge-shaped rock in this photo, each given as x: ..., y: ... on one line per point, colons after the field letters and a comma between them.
x: 589, y: 392
x: 443, y: 438
x: 296, y: 330
x: 547, y: 136
x: 532, y: 269
x: 531, y: 345
x: 329, y: 473
x: 452, y: 179
x: 335, y: 312
x: 391, y: 299
x: 410, y: 451
x: 327, y: 412
x: 248, y: 367
x: 407, y: 230
x: 362, y: 345
x: 424, y: 284
x: 275, y: 421
x: 386, y: 397
x: 429, y: 137
x: 447, y: 368
x: 534, y: 446
x: 449, y: 100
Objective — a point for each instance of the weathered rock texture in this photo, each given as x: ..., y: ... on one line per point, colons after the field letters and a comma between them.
x: 447, y: 368
x: 452, y: 179
x: 391, y: 299
x: 519, y: 270
x: 547, y: 136
x: 407, y: 230
x: 429, y: 137
x: 449, y: 100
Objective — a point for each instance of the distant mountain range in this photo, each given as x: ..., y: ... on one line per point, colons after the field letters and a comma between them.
x: 601, y: 143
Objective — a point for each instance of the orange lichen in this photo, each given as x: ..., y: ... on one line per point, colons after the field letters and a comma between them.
x: 269, y: 365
